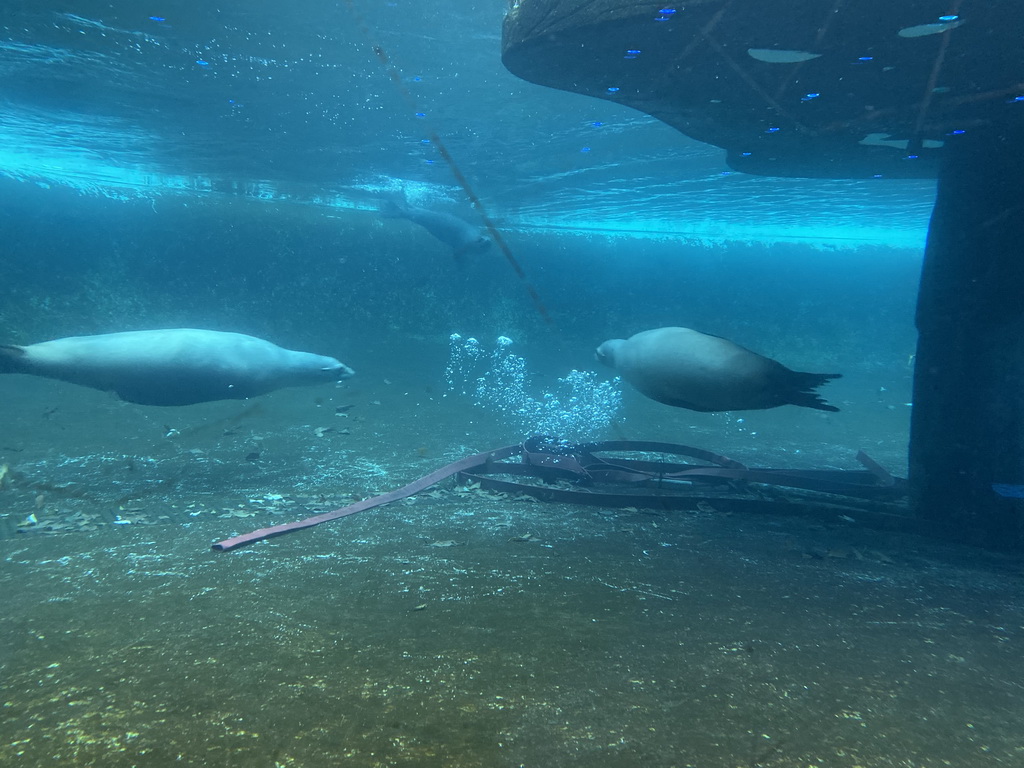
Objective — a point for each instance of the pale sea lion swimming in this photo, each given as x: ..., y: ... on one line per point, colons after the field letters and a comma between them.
x: 689, y: 369
x: 177, y: 366
x: 463, y: 238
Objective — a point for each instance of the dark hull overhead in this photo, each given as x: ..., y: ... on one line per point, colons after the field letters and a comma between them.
x: 802, y: 88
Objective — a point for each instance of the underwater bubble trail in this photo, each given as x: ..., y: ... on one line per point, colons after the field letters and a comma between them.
x: 579, y: 406
x: 463, y: 354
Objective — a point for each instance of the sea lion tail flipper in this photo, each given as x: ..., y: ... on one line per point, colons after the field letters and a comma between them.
x: 12, y: 359
x: 394, y: 207
x: 803, y: 393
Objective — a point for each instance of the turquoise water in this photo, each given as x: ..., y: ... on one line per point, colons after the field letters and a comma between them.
x: 194, y: 166
x: 290, y: 103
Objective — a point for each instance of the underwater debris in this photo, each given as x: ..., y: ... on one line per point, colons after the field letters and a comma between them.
x: 779, y: 56
x: 524, y: 538
x: 237, y: 513
x: 934, y: 28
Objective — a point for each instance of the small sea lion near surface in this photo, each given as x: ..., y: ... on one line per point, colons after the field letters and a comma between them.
x: 177, y: 366
x: 689, y: 369
x: 463, y: 238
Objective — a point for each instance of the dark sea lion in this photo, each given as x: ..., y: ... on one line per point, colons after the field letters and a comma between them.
x: 177, y: 366
x: 689, y: 369
x: 463, y: 238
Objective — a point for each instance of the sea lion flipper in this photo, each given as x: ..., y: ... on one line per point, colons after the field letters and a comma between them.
x: 392, y: 208
x: 803, y: 386
x: 811, y: 400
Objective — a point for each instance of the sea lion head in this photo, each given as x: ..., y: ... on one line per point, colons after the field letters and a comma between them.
x: 335, y: 370
x: 606, y: 352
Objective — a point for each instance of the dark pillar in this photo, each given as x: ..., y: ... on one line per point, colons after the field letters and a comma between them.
x: 967, y: 431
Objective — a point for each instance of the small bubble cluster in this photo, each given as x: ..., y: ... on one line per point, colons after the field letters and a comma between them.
x: 463, y: 356
x: 579, y: 407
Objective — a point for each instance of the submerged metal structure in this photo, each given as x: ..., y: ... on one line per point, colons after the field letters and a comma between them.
x: 856, y: 89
